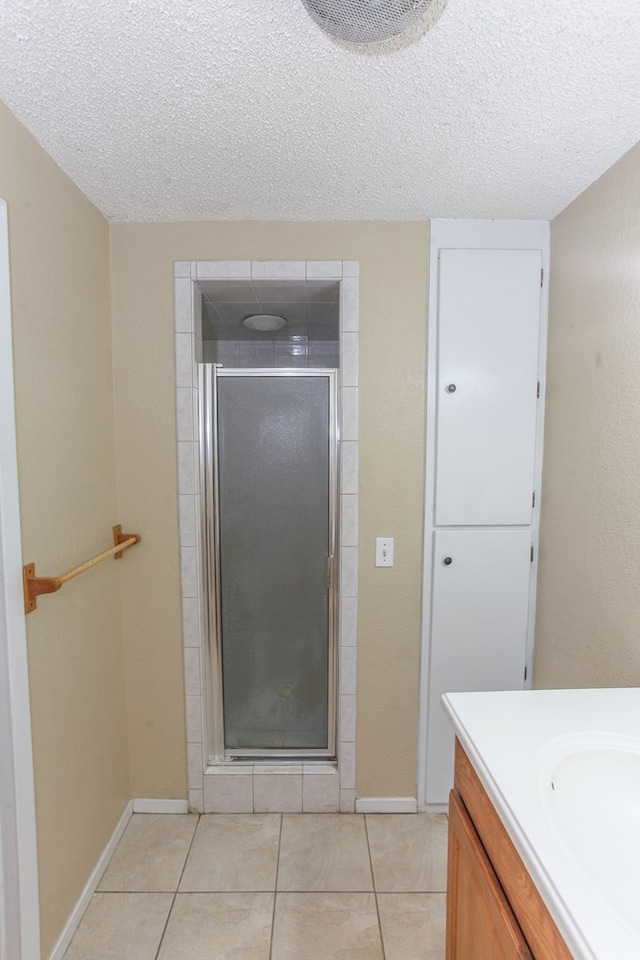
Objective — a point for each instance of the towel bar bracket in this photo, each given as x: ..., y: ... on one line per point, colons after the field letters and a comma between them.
x: 35, y: 586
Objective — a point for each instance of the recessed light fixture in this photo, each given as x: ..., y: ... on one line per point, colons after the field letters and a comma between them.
x: 264, y: 322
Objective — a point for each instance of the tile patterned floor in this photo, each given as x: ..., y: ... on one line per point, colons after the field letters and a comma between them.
x: 271, y: 887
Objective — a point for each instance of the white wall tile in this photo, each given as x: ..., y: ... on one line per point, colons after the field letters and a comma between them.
x: 350, y: 268
x: 191, y: 622
x: 241, y: 353
x: 347, y: 728
x: 349, y: 520
x: 185, y: 423
x: 277, y: 769
x: 348, y: 467
x: 195, y: 766
x: 324, y: 269
x: 347, y: 763
x: 348, y: 621
x: 193, y: 712
x: 324, y: 353
x: 321, y: 794
x: 349, y: 571
x: 196, y: 801
x: 182, y: 268
x: 347, y: 801
x: 348, y: 671
x: 350, y: 304
x: 210, y: 351
x: 227, y: 793
x: 187, y: 520
x: 290, y: 355
x: 189, y: 572
x: 197, y: 332
x: 349, y: 418
x: 277, y: 794
x: 223, y: 269
x: 184, y: 360
x: 186, y: 467
x: 349, y: 360
x: 278, y: 269
x: 182, y: 291
x: 192, y: 686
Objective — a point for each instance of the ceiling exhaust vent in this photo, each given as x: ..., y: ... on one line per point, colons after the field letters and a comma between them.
x: 373, y: 22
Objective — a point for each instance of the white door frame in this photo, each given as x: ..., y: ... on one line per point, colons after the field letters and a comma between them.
x: 19, y: 910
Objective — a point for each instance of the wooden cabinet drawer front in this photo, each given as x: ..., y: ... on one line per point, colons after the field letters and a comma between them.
x: 538, y: 927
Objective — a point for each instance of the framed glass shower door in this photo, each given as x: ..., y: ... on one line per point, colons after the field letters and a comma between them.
x: 270, y: 483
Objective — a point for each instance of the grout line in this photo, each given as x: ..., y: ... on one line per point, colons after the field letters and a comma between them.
x: 275, y: 889
x: 175, y: 892
x: 375, y: 892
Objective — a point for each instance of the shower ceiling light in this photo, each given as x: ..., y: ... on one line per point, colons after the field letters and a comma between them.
x: 264, y: 321
x: 366, y: 22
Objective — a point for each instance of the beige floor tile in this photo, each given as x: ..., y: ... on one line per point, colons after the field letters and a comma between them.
x: 121, y: 926
x: 324, y: 852
x: 326, y: 926
x: 219, y: 926
x: 408, y: 852
x: 233, y: 852
x: 151, y: 853
x: 413, y: 925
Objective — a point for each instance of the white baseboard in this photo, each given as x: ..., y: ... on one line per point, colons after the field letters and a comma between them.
x: 386, y: 805
x: 142, y: 805
x: 71, y: 925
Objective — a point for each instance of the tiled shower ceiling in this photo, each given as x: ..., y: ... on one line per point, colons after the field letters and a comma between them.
x: 311, y: 309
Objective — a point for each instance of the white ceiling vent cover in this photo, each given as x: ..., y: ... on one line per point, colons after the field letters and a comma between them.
x: 368, y: 22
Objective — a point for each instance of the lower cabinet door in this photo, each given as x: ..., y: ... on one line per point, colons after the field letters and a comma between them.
x: 480, y: 922
x: 479, y: 617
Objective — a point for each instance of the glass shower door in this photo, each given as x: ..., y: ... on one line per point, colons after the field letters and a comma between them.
x: 275, y: 521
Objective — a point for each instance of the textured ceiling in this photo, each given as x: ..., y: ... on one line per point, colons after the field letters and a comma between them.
x: 244, y: 109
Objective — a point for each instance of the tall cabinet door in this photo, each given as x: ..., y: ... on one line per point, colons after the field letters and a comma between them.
x: 478, y: 629
x: 488, y: 332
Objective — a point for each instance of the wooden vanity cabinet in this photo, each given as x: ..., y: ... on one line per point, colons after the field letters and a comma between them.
x: 494, y: 911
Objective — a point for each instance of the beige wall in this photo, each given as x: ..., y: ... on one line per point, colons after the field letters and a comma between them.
x: 588, y: 619
x: 64, y: 408
x: 393, y: 260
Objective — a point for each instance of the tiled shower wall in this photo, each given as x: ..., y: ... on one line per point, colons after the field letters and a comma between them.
x: 265, y: 787
x: 271, y: 353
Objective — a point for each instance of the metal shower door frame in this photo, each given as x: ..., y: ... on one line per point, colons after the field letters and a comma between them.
x: 209, y: 373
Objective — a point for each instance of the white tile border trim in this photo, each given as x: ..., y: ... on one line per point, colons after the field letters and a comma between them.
x: 145, y: 805
x: 71, y: 925
x: 186, y: 300
x: 387, y: 805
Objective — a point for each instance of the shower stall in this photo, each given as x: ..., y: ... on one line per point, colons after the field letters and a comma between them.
x: 269, y: 475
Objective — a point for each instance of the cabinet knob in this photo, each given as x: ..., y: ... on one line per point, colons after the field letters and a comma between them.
x: 451, y: 388
x: 447, y: 561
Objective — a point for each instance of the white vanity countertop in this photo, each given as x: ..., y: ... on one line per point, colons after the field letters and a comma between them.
x: 512, y: 739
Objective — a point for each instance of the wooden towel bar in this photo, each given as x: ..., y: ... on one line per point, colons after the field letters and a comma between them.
x: 34, y: 586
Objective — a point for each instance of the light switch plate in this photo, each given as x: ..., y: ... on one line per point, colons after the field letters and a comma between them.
x: 384, y: 551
